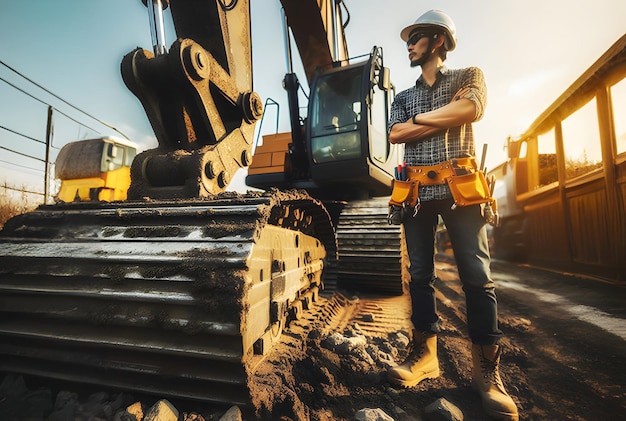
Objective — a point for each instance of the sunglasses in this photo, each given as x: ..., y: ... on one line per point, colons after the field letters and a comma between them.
x: 415, y: 38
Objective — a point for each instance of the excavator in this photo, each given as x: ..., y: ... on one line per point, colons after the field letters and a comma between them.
x: 181, y: 289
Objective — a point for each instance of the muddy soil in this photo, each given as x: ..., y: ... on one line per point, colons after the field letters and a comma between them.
x: 554, y: 367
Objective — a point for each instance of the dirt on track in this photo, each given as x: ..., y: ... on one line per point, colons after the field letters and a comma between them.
x: 333, y: 363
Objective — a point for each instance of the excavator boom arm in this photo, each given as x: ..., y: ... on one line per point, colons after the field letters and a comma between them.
x: 199, y: 100
x: 318, y: 31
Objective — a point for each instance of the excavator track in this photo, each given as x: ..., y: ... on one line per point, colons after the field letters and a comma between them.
x: 172, y: 298
x: 372, y: 253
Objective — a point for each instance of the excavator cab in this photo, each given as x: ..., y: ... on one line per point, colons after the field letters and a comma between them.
x: 345, y: 142
x: 347, y: 129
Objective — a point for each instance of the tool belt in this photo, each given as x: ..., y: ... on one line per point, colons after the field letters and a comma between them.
x: 467, y: 184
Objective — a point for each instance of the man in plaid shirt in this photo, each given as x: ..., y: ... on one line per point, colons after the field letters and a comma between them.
x: 434, y: 121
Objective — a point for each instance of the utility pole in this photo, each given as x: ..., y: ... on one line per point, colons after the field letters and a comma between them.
x: 49, y: 132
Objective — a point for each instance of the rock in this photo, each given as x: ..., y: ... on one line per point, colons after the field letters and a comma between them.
x: 65, y: 398
x: 442, y: 410
x: 369, y: 414
x: 133, y: 413
x: 399, y: 340
x: 343, y: 344
x: 382, y: 358
x: 192, y: 417
x: 163, y: 410
x: 233, y: 414
x: 332, y: 341
x: 17, y: 402
x: 387, y: 348
x: 119, y: 401
x: 65, y: 406
x: 362, y: 354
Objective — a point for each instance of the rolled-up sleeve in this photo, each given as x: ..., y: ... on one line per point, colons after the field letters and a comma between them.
x: 475, y: 80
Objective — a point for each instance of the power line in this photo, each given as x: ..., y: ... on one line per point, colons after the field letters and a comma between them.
x: 45, y: 103
x: 63, y: 100
x: 23, y: 154
x: 21, y: 166
x: 23, y: 135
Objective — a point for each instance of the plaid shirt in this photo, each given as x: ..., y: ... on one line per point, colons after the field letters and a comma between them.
x: 456, y: 142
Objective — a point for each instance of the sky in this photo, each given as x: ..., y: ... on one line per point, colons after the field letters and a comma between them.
x: 530, y: 51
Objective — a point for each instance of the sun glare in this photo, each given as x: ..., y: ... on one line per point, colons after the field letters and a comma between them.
x: 533, y: 82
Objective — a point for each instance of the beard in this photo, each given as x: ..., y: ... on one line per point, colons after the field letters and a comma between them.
x: 420, y: 60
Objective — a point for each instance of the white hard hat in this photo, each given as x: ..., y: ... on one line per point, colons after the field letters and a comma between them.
x: 434, y: 19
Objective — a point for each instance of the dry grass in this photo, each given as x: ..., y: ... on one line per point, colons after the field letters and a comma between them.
x: 9, y: 207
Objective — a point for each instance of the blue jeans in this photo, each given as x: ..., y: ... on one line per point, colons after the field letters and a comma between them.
x: 466, y: 229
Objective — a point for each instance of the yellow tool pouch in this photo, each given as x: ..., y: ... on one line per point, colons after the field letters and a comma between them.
x: 404, y: 193
x: 404, y: 196
x: 469, y: 189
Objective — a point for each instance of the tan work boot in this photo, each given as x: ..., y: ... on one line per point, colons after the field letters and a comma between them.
x: 422, y: 362
x: 486, y: 378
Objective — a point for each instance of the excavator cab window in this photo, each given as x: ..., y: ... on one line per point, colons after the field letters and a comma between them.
x: 335, y: 114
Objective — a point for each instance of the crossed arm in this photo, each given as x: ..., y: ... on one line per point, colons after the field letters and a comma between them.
x: 458, y: 112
